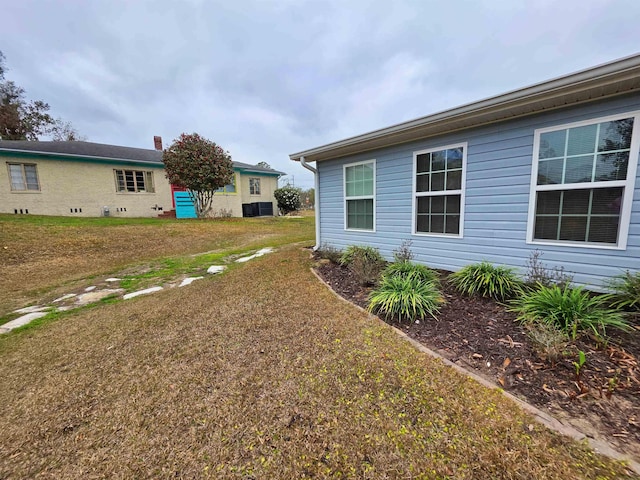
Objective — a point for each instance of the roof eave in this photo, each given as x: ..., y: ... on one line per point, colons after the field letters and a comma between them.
x: 615, y: 78
x: 9, y: 151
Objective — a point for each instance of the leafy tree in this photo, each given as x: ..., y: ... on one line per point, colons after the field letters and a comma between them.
x: 263, y: 165
x: 288, y: 198
x: 27, y: 120
x: 200, y: 166
x: 307, y: 197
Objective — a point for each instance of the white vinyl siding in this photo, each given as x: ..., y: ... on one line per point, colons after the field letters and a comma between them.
x: 23, y: 177
x: 582, y: 182
x: 359, y: 196
x: 439, y: 179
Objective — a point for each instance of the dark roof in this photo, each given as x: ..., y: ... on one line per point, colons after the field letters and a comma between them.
x: 107, y: 152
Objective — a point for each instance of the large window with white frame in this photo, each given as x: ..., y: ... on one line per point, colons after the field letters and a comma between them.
x: 582, y: 182
x: 359, y: 195
x: 439, y: 180
x: 130, y: 181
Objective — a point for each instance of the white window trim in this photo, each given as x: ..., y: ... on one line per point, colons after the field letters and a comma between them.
x: 359, y: 197
x: 258, y: 184
x: 148, y: 174
x: 461, y: 192
x: 628, y: 184
x: 24, y: 178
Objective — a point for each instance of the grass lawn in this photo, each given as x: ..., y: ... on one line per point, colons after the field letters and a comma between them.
x: 38, y: 253
x: 258, y: 373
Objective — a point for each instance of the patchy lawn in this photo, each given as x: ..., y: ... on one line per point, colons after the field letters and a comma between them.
x: 38, y: 253
x: 259, y: 373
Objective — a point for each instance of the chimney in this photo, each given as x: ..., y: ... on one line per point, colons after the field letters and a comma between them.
x: 157, y: 142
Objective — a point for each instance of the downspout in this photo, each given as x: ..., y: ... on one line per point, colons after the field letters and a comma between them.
x: 316, y: 202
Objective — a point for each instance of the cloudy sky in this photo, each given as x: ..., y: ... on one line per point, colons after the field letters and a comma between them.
x: 268, y: 78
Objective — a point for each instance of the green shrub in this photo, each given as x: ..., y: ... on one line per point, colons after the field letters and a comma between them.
x: 405, y: 297
x: 572, y: 310
x: 329, y: 252
x: 487, y: 280
x: 365, y: 262
x: 411, y: 270
x: 548, y: 341
x: 288, y: 199
x: 626, y: 288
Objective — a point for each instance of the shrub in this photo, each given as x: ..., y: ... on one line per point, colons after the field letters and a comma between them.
x: 405, y: 297
x: 626, y: 288
x: 548, y: 341
x: 288, y: 199
x: 329, y: 252
x: 411, y: 270
x: 572, y: 310
x: 487, y: 280
x: 365, y: 262
x: 403, y: 252
x: 538, y: 273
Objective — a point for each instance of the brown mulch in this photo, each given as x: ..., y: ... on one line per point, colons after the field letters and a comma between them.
x: 481, y: 335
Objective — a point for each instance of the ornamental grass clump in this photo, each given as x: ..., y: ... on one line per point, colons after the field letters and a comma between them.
x: 572, y: 310
x: 365, y: 263
x: 626, y: 290
x: 406, y: 298
x: 408, y: 269
x: 487, y: 280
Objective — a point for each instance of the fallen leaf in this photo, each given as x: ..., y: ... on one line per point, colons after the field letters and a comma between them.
x: 506, y: 363
x: 501, y: 380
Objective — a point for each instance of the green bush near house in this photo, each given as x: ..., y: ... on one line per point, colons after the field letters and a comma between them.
x: 408, y: 269
x: 626, y: 290
x: 407, y: 297
x: 365, y: 262
x: 487, y: 280
x: 572, y: 310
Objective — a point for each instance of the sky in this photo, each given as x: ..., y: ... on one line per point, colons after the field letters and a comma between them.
x: 264, y: 79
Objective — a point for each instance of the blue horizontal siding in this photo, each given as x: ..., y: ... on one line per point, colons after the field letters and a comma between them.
x: 498, y: 176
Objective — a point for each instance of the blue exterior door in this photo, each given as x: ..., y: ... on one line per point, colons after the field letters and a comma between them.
x: 184, y: 205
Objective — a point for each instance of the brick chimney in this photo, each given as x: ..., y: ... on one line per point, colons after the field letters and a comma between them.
x: 157, y: 142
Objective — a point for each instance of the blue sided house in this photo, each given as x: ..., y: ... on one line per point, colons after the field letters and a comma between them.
x: 550, y: 167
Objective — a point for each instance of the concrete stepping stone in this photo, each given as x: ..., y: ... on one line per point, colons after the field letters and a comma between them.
x: 189, y: 281
x: 91, y: 297
x: 146, y: 291
x: 113, y: 279
x: 213, y: 269
x: 20, y: 321
x: 90, y: 289
x: 259, y: 253
x: 65, y: 297
x: 32, y: 309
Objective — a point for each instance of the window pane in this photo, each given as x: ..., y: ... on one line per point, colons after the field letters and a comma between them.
x: 437, y: 204
x: 603, y: 229
x: 550, y: 172
x: 128, y: 177
x: 454, y: 158
x: 438, y: 160
x: 548, y: 203
x: 579, y: 169
x: 552, y: 144
x: 454, y: 180
x: 140, y: 180
x: 367, y: 172
x: 573, y: 229
x: 367, y: 187
x: 149, y: 181
x: 422, y: 224
x: 576, y: 202
x: 422, y: 183
x: 423, y: 162
x: 582, y: 140
x: 423, y: 204
x: 437, y: 182
x: 615, y: 135
x: 546, y: 228
x: 120, y: 180
x: 452, y: 225
x: 612, y: 166
x: 360, y: 214
x: 607, y: 201
x: 350, y: 175
x: 437, y: 223
x: 31, y: 177
x: 17, y: 182
x: 453, y: 203
x: 231, y: 188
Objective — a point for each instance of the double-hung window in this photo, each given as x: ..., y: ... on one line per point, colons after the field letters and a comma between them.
x: 23, y: 177
x: 230, y: 188
x: 439, y: 181
x: 254, y: 186
x: 134, y: 181
x: 582, y: 182
x: 359, y: 195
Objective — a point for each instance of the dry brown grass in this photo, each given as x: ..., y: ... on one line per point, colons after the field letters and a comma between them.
x: 259, y: 373
x: 37, y: 253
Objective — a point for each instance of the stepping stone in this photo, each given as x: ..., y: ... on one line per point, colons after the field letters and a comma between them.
x: 92, y: 297
x: 64, y: 297
x: 20, y: 321
x: 213, y: 269
x: 259, y: 253
x: 189, y: 281
x: 113, y: 279
x: 90, y: 289
x: 146, y: 291
x: 32, y: 309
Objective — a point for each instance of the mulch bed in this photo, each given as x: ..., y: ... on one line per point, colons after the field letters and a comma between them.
x: 479, y: 334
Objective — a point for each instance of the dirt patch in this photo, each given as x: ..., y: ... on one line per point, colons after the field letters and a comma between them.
x: 480, y: 334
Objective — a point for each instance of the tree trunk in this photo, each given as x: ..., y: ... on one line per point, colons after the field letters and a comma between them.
x: 202, y: 201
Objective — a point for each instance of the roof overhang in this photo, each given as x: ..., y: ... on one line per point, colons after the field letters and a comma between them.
x: 78, y: 158
x: 611, y: 79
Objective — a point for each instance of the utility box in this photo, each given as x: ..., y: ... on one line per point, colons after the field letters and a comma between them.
x: 105, y: 211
